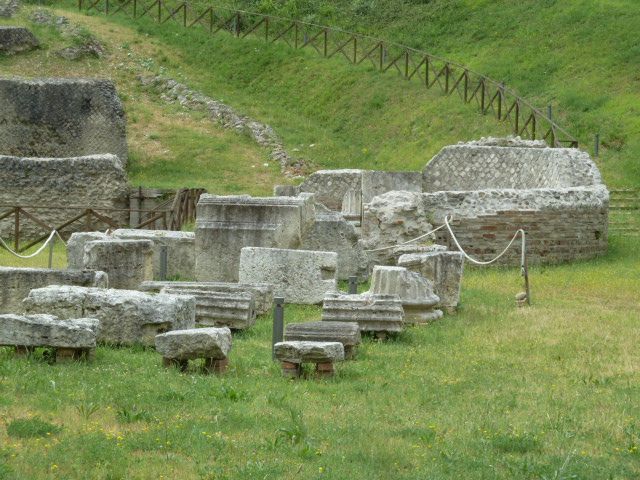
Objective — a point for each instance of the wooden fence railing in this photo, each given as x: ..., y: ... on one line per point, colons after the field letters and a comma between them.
x: 490, y: 96
x: 180, y: 212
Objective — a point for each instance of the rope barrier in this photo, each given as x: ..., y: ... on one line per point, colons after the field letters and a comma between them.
x: 408, y: 241
x: 478, y: 262
x: 54, y: 233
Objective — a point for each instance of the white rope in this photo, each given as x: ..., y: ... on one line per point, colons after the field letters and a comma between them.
x: 478, y: 262
x: 53, y: 234
x: 408, y: 241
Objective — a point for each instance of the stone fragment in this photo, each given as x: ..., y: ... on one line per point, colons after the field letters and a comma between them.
x: 47, y: 331
x: 415, y: 292
x: 300, y: 276
x: 16, y: 283
x: 372, y: 313
x: 410, y: 248
x: 235, y: 310
x: 16, y: 39
x: 262, y: 292
x: 444, y: 269
x: 126, y: 317
x: 195, y: 343
x: 181, y: 253
x: 375, y: 182
x: 347, y: 333
x: 330, y: 186
x: 127, y: 262
x: 8, y: 8
x: 53, y: 117
x: 309, y: 352
x: 75, y: 247
x: 227, y: 224
x: 332, y: 233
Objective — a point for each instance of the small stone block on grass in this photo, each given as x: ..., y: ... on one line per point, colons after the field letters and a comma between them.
x: 347, y: 333
x: 179, y: 346
x: 292, y: 354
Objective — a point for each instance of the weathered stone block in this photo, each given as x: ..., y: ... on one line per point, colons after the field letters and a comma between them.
x: 415, y: 292
x: 127, y: 262
x: 227, y: 224
x: 47, y: 331
x: 372, y: 313
x: 309, y: 352
x: 300, y: 276
x: 16, y: 39
x: 376, y: 183
x: 444, y: 269
x: 61, y: 118
x: 126, y: 317
x: 8, y: 8
x: 181, y: 252
x: 332, y: 233
x: 235, y: 310
x: 330, y: 186
x: 75, y: 247
x: 195, y: 343
x: 16, y: 283
x: 347, y: 333
x: 262, y: 292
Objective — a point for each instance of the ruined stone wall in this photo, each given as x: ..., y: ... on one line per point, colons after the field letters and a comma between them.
x: 561, y: 224
x: 61, y: 118
x: 476, y: 167
x: 96, y: 181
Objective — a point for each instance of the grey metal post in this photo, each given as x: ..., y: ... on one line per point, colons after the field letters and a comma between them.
x: 549, y: 112
x: 596, y: 147
x: 278, y: 323
x: 353, y: 285
x: 51, y: 245
x: 164, y: 261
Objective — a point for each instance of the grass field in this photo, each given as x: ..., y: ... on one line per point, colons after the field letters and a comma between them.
x: 547, y: 392
x: 494, y: 392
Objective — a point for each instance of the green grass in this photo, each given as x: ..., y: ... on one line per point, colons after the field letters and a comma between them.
x: 546, y: 392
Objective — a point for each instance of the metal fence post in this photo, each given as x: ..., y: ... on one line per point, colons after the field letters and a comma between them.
x: 596, y: 146
x: 353, y: 285
x: 164, y: 261
x: 51, y: 246
x: 278, y: 323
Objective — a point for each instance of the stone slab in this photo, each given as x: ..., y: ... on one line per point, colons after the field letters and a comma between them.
x: 309, y: 352
x: 47, y: 331
x: 300, y: 276
x: 16, y: 283
x: 195, y: 343
x: 126, y: 317
x: 75, y: 247
x: 372, y: 313
x: 347, y: 333
x: 127, y: 262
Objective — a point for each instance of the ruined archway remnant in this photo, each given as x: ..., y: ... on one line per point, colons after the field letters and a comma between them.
x: 61, y: 118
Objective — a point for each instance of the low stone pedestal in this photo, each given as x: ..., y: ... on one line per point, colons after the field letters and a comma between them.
x: 380, y: 314
x: 323, y: 354
x: 180, y: 346
x: 347, y: 333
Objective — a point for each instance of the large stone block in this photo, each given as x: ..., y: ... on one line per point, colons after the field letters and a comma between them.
x: 235, y: 310
x: 16, y: 39
x: 126, y: 317
x: 330, y: 186
x: 75, y: 247
x: 375, y: 182
x: 16, y: 283
x: 181, y: 251
x: 214, y: 343
x: 47, y: 331
x: 332, y: 233
x: 415, y: 292
x: 98, y: 182
x: 262, y: 292
x: 372, y: 313
x: 227, y: 224
x: 300, y: 276
x: 127, y: 262
x: 61, y: 118
x: 444, y: 269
